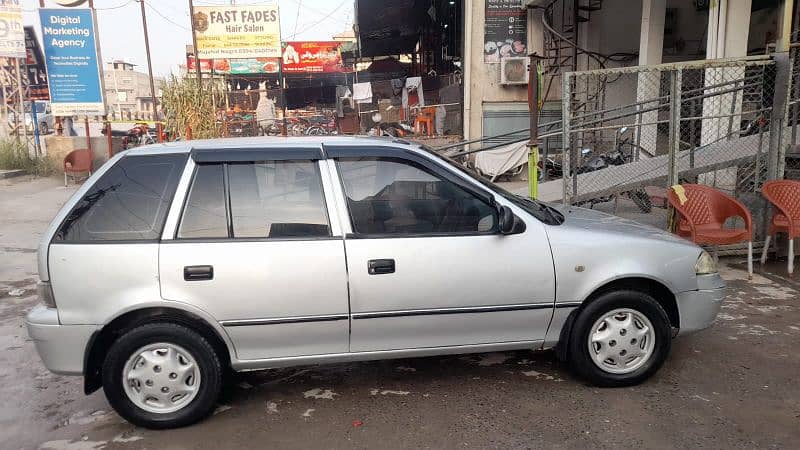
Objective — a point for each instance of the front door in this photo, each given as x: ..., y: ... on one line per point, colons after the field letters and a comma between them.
x: 254, y: 248
x: 427, y: 266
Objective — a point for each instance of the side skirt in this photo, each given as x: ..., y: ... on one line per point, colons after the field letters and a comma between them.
x: 259, y: 364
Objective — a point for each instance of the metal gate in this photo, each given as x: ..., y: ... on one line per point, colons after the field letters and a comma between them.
x: 650, y: 127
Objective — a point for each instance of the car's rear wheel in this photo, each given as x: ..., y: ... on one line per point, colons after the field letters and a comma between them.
x: 162, y: 375
x: 620, y: 339
x: 43, y: 128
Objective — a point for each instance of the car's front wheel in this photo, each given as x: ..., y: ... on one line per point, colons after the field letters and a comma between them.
x: 620, y: 339
x: 162, y: 375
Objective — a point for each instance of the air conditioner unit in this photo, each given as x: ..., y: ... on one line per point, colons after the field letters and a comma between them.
x: 514, y: 70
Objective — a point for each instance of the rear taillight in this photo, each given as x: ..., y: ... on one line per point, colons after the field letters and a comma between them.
x: 45, y: 291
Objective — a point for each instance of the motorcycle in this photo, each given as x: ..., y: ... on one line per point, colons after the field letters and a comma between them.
x: 240, y: 124
x: 321, y: 126
x: 269, y: 127
x: 140, y: 134
x: 551, y: 167
x: 618, y: 157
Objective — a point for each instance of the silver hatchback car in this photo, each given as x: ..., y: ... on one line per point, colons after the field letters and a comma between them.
x: 176, y: 262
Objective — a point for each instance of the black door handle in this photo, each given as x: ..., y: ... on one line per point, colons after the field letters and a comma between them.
x: 198, y: 273
x: 380, y: 266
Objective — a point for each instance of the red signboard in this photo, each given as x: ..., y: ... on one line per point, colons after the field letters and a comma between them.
x: 205, y: 64
x: 235, y: 66
x: 298, y: 57
x: 313, y: 57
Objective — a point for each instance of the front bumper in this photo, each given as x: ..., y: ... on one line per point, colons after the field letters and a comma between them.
x: 698, y: 309
x: 61, y: 347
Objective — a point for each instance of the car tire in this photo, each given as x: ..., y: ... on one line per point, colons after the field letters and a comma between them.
x: 139, y: 350
x: 603, y: 328
x: 43, y: 128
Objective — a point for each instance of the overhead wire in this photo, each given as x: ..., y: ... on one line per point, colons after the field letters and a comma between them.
x: 165, y: 17
x: 297, y: 16
x: 326, y: 17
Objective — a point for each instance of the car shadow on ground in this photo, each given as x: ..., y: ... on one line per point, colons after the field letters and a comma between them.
x: 396, y: 375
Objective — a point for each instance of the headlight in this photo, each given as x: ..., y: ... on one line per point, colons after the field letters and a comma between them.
x: 705, y: 264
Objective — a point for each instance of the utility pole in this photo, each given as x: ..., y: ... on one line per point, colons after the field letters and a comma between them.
x: 533, y: 106
x: 282, y: 83
x: 149, y: 63
x: 194, y: 45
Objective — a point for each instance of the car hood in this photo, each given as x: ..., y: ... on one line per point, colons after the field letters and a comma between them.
x: 597, y: 221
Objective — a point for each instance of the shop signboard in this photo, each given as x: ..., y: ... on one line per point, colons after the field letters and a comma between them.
x: 235, y: 66
x: 237, y: 31
x: 70, y: 53
x: 12, y: 35
x: 313, y: 57
x: 298, y: 57
x: 34, y: 62
x: 505, y: 30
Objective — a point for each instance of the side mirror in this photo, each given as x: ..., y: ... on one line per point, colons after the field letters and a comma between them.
x: 506, y: 220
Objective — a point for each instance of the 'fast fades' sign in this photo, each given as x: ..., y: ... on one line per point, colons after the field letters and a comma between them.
x: 70, y: 53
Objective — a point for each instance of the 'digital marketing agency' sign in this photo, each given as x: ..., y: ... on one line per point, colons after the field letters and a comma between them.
x: 70, y: 54
x: 238, y: 31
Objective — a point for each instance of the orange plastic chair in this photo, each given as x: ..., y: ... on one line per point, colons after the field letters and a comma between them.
x: 425, y: 118
x: 77, y: 161
x: 703, y: 211
x: 785, y: 197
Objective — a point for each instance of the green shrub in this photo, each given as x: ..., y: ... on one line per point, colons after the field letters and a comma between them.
x: 15, y: 155
x: 188, y: 104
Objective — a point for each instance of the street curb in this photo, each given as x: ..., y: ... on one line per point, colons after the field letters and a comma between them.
x: 4, y: 174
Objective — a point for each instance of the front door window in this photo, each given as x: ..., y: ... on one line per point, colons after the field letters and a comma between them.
x: 388, y: 196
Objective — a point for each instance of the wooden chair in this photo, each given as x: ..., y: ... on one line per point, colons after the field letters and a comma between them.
x: 77, y: 161
x: 703, y: 212
x: 785, y: 198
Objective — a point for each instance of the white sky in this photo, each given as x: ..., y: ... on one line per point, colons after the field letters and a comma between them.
x: 121, y: 36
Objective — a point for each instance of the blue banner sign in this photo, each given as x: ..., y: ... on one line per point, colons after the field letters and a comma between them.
x: 70, y: 53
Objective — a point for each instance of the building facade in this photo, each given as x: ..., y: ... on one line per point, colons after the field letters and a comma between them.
x: 128, y: 95
x: 619, y: 33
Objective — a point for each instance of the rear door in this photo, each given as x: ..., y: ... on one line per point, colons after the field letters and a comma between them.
x: 104, y: 255
x: 254, y: 247
x: 426, y: 264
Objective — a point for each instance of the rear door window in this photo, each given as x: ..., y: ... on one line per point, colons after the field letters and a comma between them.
x: 277, y: 199
x: 256, y: 200
x: 204, y: 215
x: 128, y: 203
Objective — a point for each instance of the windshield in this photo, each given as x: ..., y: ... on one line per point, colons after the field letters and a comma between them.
x: 542, y: 211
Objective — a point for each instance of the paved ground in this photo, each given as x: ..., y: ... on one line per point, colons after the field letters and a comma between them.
x: 735, y: 385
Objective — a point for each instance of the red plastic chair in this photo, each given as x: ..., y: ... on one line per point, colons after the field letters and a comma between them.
x: 703, y: 215
x: 426, y: 118
x: 77, y: 161
x: 785, y: 197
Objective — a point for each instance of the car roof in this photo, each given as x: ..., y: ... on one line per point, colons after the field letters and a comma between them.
x: 223, y: 144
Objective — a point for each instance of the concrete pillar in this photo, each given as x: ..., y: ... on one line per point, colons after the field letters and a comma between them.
x: 728, y: 30
x: 786, y: 13
x: 651, y: 46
